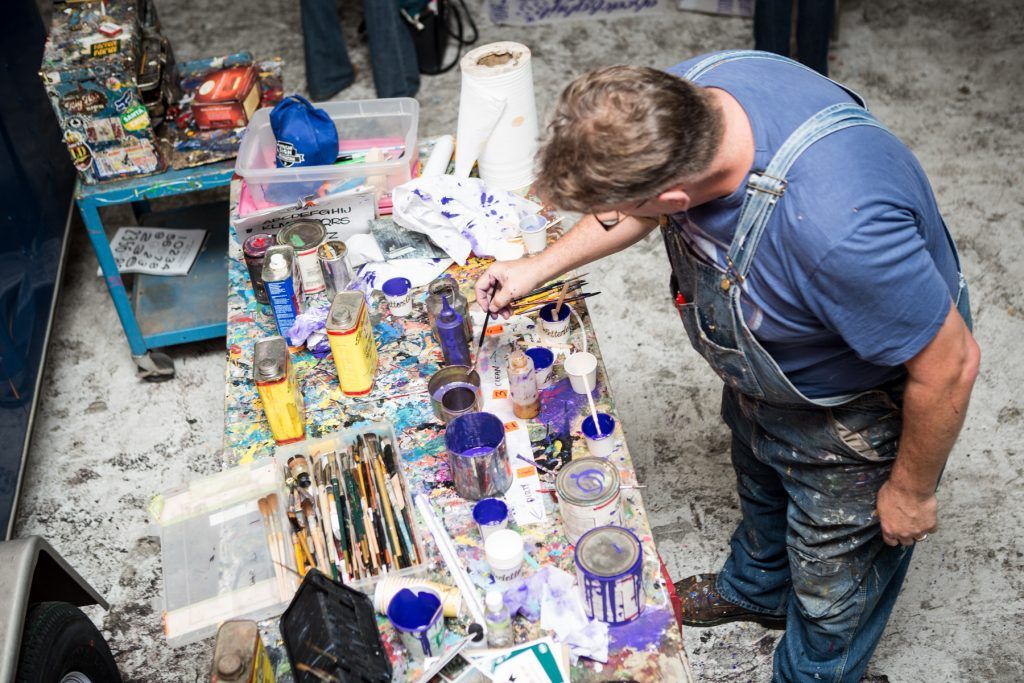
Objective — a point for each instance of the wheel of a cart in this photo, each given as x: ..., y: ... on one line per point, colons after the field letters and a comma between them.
x: 154, y: 366
x: 59, y: 644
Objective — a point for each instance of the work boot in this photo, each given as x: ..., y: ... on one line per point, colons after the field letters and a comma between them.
x: 703, y: 606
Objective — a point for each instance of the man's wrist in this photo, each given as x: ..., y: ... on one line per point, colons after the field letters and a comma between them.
x: 910, y: 486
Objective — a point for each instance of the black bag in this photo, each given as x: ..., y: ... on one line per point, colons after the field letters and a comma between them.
x: 433, y: 24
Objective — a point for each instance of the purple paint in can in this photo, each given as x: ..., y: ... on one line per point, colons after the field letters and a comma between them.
x: 609, y: 567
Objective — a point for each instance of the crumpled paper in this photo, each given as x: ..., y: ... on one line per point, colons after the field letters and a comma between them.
x: 365, y: 257
x: 552, y: 596
x: 310, y: 328
x: 462, y: 215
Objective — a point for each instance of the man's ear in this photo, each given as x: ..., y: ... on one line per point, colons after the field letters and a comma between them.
x: 675, y: 198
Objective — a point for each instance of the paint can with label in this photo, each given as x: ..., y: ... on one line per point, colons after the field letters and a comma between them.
x: 254, y: 249
x: 352, y: 343
x: 305, y: 237
x: 239, y: 655
x: 609, y: 567
x: 281, y: 280
x: 477, y: 456
x: 451, y: 379
x: 333, y: 266
x: 555, y: 326
x: 588, y: 496
x: 275, y: 381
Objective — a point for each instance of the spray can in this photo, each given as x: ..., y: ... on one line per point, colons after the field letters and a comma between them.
x: 352, y: 344
x: 253, y: 250
x: 274, y: 376
x: 452, y: 336
x: 239, y: 655
x: 523, y: 385
x: 280, y: 278
x: 305, y: 237
x: 333, y: 267
x: 445, y: 286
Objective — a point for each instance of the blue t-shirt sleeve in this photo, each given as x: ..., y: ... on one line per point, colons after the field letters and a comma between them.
x: 880, y: 291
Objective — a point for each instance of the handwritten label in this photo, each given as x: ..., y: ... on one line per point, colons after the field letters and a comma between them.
x: 524, y: 472
x: 499, y: 394
x: 511, y: 426
x: 495, y: 329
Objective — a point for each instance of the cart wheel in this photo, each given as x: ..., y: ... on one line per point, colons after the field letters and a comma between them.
x: 154, y: 366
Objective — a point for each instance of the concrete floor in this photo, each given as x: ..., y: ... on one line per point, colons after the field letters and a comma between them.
x: 946, y: 76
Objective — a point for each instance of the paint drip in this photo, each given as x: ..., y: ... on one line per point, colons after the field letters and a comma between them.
x: 609, y: 566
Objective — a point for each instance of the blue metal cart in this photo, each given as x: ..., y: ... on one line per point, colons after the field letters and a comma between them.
x: 163, y: 311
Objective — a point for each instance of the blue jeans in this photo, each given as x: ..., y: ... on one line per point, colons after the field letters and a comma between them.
x: 810, y: 546
x: 392, y: 54
x: 772, y: 21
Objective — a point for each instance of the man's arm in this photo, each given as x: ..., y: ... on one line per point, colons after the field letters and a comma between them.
x: 939, y: 383
x: 587, y: 241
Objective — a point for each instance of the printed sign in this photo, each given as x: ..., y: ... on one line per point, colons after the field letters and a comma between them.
x: 342, y: 216
x: 105, y: 48
x: 156, y: 251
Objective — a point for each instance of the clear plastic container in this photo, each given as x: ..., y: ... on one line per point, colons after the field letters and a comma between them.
x: 216, y: 535
x: 389, y: 125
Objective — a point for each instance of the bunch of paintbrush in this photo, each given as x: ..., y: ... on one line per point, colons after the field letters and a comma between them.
x: 349, y: 515
x: 568, y: 290
x: 277, y: 545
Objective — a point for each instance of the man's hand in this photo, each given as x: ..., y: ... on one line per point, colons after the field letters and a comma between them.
x: 513, y: 279
x: 905, y: 516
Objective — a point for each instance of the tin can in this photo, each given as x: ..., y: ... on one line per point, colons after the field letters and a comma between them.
x: 239, y: 655
x: 333, y: 267
x: 281, y: 280
x: 254, y: 249
x: 274, y: 376
x: 588, y: 496
x: 305, y: 237
x: 447, y: 380
x: 477, y: 455
x: 609, y: 567
x: 352, y: 343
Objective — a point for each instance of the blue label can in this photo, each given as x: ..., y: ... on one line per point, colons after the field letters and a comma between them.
x: 609, y: 566
x: 282, y: 285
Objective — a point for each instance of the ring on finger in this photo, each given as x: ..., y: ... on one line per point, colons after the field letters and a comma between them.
x: 922, y: 537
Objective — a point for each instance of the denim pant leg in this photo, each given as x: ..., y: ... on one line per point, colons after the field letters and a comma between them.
x: 813, y: 32
x: 328, y: 68
x: 772, y: 20
x: 396, y: 73
x: 845, y: 580
x: 756, y: 573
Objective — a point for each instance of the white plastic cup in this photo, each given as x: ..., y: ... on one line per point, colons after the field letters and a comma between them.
x: 534, y: 229
x: 600, y: 445
x: 543, y: 362
x: 505, y: 554
x: 554, y: 328
x: 582, y: 371
x: 398, y: 292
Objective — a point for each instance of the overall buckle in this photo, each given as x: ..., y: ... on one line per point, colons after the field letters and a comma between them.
x: 754, y: 185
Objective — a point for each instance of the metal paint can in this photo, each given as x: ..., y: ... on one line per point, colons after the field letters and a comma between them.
x: 459, y: 401
x: 305, y: 237
x: 281, y: 280
x: 352, y: 343
x: 239, y: 655
x: 448, y: 379
x: 610, y: 570
x: 588, y: 496
x: 274, y: 376
x: 253, y: 250
x: 477, y: 457
x: 333, y: 267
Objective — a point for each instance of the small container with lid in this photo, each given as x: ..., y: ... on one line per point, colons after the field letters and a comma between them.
x: 505, y: 554
x: 398, y: 292
x: 588, y: 496
x: 523, y: 385
x: 276, y: 384
x: 305, y: 237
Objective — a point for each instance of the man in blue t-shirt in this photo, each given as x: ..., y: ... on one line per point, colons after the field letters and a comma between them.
x: 813, y: 271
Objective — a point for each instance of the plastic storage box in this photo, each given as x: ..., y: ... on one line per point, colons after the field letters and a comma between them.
x: 388, y: 125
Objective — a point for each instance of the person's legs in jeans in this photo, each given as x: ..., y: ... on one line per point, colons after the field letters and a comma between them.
x: 813, y: 31
x: 772, y: 20
x: 756, y: 573
x: 396, y: 72
x: 328, y: 69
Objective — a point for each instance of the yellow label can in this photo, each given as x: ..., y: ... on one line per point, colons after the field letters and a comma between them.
x: 352, y: 343
x: 279, y: 390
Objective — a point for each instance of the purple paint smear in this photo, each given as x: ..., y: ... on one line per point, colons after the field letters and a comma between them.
x: 559, y: 404
x: 647, y: 630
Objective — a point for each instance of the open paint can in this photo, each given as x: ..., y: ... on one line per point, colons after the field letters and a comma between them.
x: 609, y: 567
x: 388, y: 586
x: 555, y: 327
x: 477, y: 456
x: 600, y: 444
x: 448, y: 380
x: 588, y: 496
x: 416, y: 614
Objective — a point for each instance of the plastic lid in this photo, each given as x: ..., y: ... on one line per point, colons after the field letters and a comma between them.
x: 396, y: 286
x: 504, y: 549
x: 494, y: 601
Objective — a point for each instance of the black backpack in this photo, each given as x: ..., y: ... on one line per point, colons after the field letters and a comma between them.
x: 432, y: 24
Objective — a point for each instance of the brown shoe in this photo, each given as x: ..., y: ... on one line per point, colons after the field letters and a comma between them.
x: 703, y: 606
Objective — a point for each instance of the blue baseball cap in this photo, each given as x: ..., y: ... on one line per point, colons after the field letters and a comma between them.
x: 305, y: 135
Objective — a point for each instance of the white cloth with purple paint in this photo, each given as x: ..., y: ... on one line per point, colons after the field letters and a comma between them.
x: 463, y: 215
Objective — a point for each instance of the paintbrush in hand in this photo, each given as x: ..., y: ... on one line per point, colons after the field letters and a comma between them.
x: 487, y: 319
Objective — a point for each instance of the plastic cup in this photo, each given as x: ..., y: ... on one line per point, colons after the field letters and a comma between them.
x: 490, y: 515
x: 398, y: 292
x: 555, y: 328
x: 505, y: 554
x: 600, y: 445
x: 387, y: 586
x: 534, y: 229
x: 418, y: 617
x: 543, y: 362
x: 582, y: 371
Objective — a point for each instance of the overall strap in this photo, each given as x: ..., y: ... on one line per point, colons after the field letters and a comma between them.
x: 708, y: 63
x: 765, y: 188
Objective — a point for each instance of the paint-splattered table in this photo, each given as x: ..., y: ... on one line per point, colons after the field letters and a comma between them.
x: 648, y: 649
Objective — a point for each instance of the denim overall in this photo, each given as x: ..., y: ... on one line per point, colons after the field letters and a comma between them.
x: 808, y: 470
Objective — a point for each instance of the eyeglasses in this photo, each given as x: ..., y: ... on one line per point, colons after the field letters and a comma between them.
x: 609, y: 219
